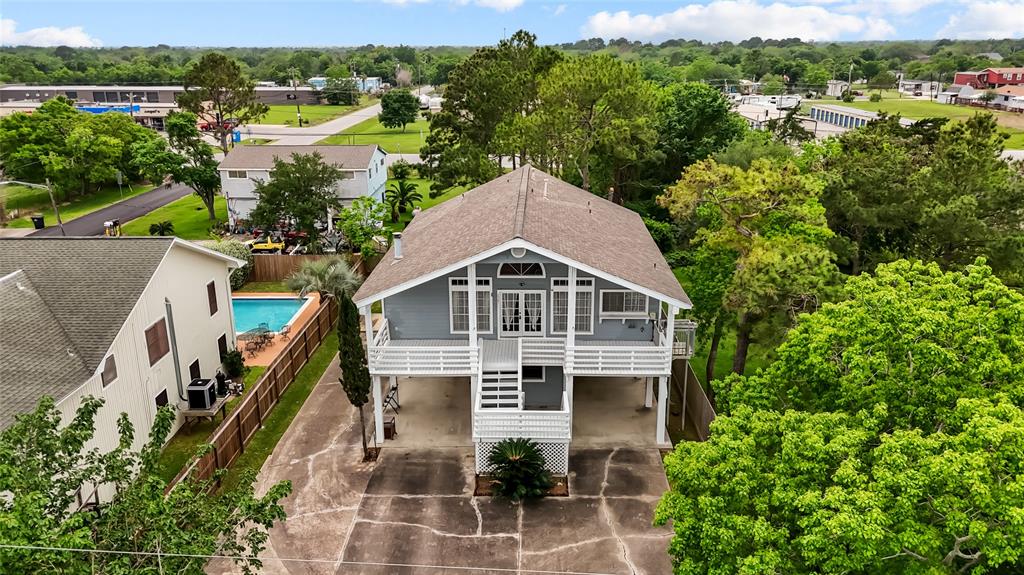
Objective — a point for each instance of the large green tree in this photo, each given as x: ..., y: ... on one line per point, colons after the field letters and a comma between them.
x: 300, y: 191
x: 694, y: 122
x: 184, y: 156
x: 355, y: 376
x: 217, y: 91
x: 596, y: 110
x: 45, y: 461
x: 398, y: 108
x: 770, y: 217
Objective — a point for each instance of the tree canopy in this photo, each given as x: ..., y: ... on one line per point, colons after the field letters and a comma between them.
x: 300, y: 192
x: 398, y: 108
x: 217, y: 91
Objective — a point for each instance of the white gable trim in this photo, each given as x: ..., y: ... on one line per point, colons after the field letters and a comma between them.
x: 232, y: 262
x: 517, y: 243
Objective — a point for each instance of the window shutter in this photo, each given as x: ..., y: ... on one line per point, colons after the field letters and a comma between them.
x: 109, y: 371
x: 211, y: 295
x: 156, y: 341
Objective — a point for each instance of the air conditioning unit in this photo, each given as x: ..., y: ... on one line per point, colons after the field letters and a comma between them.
x: 202, y: 394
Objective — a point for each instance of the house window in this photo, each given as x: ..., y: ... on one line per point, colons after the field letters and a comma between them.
x: 584, y: 305
x: 237, y: 174
x: 161, y: 400
x: 193, y: 370
x: 458, y: 299
x: 109, y: 373
x: 623, y: 304
x: 533, y: 374
x: 211, y: 296
x: 156, y: 341
x: 222, y: 345
x: 521, y: 270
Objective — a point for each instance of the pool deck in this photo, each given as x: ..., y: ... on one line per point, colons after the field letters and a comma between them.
x: 265, y: 356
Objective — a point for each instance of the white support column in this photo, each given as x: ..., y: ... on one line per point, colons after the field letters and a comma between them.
x: 471, y: 277
x: 368, y: 325
x: 663, y: 402
x: 670, y: 326
x: 378, y: 410
x: 570, y: 314
x: 648, y: 392
x: 568, y: 396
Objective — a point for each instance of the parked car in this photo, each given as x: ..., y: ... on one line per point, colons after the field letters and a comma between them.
x: 228, y: 124
x: 266, y: 244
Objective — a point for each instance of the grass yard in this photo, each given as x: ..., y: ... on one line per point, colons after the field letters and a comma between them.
x: 183, y: 445
x: 187, y: 214
x: 265, y: 287
x: 1012, y: 123
x: 424, y: 188
x: 38, y: 202
x: 284, y: 114
x: 274, y: 426
x: 392, y: 140
x: 23, y: 197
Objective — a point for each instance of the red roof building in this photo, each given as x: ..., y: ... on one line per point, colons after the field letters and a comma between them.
x: 991, y: 78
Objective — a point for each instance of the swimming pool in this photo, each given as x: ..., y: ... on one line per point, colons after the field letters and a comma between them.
x: 276, y: 312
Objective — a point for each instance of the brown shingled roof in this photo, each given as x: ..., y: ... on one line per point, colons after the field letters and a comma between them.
x: 531, y: 205
x: 255, y: 157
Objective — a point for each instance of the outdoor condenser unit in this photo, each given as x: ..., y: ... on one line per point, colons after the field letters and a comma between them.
x: 202, y: 394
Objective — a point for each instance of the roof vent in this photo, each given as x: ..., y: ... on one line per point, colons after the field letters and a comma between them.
x: 545, y: 188
x: 397, y: 242
x: 518, y: 252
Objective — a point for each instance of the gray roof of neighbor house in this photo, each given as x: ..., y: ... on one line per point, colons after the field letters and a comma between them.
x: 37, y: 357
x: 531, y: 205
x: 262, y: 157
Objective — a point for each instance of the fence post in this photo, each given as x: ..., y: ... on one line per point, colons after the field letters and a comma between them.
x: 238, y: 426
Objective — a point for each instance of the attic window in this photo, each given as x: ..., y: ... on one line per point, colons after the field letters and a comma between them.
x: 521, y: 270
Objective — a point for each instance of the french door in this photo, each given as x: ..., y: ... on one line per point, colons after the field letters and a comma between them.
x: 522, y: 313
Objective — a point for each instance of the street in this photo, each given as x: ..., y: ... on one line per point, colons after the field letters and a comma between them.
x: 288, y: 136
x: 92, y: 224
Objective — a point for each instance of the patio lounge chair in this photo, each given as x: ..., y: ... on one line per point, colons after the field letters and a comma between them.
x: 285, y: 332
x: 251, y: 347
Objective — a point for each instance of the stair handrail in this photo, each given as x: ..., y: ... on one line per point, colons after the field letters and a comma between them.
x: 519, y: 371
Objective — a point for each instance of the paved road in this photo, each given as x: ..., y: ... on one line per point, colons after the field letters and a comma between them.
x: 140, y: 205
x: 288, y: 136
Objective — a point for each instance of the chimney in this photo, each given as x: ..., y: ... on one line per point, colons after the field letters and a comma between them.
x: 397, y: 242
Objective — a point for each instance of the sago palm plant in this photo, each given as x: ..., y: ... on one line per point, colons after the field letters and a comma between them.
x: 405, y: 193
x: 518, y: 469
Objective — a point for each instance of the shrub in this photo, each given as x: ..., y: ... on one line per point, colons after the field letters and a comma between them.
x: 235, y: 249
x: 234, y: 363
x: 875, y: 98
x: 519, y: 471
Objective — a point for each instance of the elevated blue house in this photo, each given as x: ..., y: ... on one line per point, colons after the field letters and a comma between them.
x: 524, y: 288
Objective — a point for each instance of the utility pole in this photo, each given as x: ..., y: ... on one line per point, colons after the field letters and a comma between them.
x: 849, y: 79
x: 56, y: 212
x: 295, y: 94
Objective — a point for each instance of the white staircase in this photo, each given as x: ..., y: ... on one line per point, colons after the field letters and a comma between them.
x: 501, y: 377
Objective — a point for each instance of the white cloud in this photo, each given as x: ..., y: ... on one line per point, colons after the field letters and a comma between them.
x: 559, y: 10
x: 878, y: 29
x: 888, y: 7
x: 404, y: 2
x: 48, y: 36
x: 986, y: 20
x: 735, y: 20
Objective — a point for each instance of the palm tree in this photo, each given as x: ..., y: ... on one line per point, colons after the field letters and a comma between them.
x: 392, y: 202
x: 164, y: 228
x: 404, y: 193
x: 331, y: 277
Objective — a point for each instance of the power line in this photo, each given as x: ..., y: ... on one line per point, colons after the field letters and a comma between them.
x: 295, y: 560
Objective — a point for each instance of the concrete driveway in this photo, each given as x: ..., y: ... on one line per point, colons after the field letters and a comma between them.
x: 413, y: 511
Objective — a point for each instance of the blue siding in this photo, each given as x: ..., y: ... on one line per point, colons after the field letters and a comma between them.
x: 547, y: 394
x: 422, y: 312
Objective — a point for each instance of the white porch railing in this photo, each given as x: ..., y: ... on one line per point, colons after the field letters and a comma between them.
x: 617, y: 360
x: 387, y: 358
x: 542, y: 350
x: 540, y: 425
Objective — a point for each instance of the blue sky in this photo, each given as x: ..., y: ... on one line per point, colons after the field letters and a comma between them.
x: 476, y: 22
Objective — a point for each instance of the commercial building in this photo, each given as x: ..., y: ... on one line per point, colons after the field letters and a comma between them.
x: 845, y: 117
x: 142, y: 94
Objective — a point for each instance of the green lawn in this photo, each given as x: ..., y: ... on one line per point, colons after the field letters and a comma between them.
x: 187, y: 214
x: 264, y: 287
x: 73, y: 209
x: 274, y: 426
x: 22, y: 197
x: 424, y: 188
x: 917, y: 109
x: 183, y: 445
x: 392, y: 140
x: 284, y: 114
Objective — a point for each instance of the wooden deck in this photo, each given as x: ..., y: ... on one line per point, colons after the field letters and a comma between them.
x: 500, y: 355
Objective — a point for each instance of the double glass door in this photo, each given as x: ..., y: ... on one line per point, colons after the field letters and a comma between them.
x: 522, y: 313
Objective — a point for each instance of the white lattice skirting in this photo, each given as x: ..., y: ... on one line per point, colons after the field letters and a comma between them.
x: 556, y: 456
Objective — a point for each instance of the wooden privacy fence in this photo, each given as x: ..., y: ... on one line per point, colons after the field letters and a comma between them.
x: 696, y: 408
x: 277, y: 267
x: 236, y: 431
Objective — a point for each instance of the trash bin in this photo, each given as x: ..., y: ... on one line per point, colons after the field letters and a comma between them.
x: 38, y: 222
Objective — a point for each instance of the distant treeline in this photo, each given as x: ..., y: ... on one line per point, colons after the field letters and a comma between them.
x: 800, y: 65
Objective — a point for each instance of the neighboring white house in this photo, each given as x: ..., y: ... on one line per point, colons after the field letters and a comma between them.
x: 476, y: 297
x: 953, y: 92
x: 363, y: 168
x: 128, y: 320
x: 836, y: 88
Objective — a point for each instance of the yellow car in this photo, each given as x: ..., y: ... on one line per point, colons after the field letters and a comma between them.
x: 267, y: 245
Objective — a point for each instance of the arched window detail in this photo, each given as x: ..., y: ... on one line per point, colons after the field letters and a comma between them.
x: 521, y: 270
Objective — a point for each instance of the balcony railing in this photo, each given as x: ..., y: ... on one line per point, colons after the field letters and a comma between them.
x: 617, y: 360
x: 543, y: 350
x: 392, y: 357
x: 540, y: 425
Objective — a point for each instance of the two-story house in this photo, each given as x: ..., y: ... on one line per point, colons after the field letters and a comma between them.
x: 363, y: 173
x: 128, y: 320
x: 520, y: 298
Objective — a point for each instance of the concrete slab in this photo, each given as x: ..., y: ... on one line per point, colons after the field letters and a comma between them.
x: 609, y: 412
x: 435, y: 412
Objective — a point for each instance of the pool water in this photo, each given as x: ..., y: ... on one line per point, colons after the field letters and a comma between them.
x: 250, y: 312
